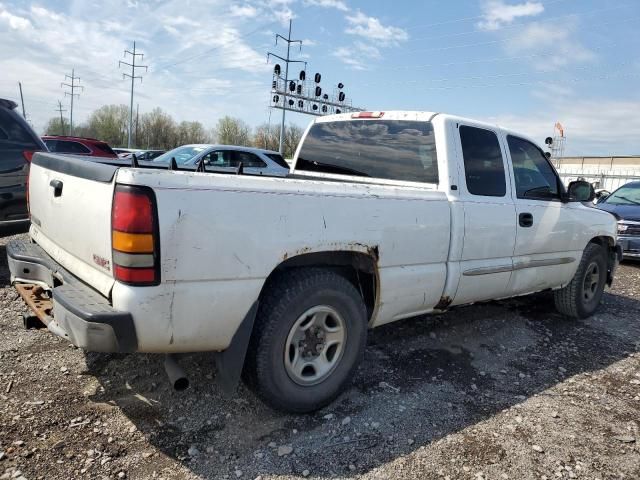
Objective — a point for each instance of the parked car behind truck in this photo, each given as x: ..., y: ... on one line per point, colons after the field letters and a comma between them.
x: 18, y: 143
x: 386, y: 215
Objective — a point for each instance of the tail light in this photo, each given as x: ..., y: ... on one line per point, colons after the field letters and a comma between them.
x: 28, y: 155
x: 134, y: 236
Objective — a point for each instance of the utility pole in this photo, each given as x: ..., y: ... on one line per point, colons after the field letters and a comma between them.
x: 286, y: 61
x: 137, y: 118
x: 132, y: 77
x: 60, y: 109
x: 73, y: 86
x: 22, y: 100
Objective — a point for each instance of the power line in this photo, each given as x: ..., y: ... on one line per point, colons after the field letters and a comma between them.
x: 523, y: 24
x: 22, y: 100
x: 60, y: 110
x: 464, y: 19
x: 217, y: 47
x: 502, y: 40
x: 286, y: 61
x: 73, y: 86
x: 133, y: 77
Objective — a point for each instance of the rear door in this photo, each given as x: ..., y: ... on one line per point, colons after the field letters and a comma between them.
x: 17, y: 144
x: 70, y: 203
x: 489, y: 215
x: 548, y: 232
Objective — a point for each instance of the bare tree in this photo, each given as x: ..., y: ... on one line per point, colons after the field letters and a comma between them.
x: 157, y: 130
x: 191, y: 132
x: 266, y: 136
x: 232, y: 131
x: 292, y: 136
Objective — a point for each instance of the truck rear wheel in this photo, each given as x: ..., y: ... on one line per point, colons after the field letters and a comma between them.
x: 581, y: 297
x: 308, y: 340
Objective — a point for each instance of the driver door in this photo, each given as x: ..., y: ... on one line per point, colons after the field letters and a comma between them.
x: 547, y: 249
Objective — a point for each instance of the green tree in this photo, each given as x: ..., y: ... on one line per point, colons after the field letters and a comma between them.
x: 56, y: 127
x: 109, y: 123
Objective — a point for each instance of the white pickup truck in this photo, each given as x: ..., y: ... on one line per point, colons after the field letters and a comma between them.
x: 385, y: 215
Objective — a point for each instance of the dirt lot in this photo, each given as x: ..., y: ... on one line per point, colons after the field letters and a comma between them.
x: 503, y: 390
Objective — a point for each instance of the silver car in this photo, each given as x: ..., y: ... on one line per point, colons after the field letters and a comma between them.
x: 255, y: 161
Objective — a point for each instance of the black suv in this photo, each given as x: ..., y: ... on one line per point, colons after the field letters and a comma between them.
x: 18, y: 142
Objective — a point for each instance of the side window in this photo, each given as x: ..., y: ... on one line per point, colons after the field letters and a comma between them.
x: 483, y: 165
x: 12, y: 130
x: 219, y: 158
x: 534, y: 176
x: 72, y: 147
x: 52, y: 145
x: 248, y: 160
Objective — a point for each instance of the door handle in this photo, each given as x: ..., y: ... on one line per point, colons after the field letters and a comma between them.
x: 57, y: 187
x: 525, y: 219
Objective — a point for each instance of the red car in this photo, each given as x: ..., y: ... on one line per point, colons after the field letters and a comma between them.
x: 78, y: 146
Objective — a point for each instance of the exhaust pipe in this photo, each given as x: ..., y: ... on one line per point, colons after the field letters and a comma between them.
x: 176, y: 374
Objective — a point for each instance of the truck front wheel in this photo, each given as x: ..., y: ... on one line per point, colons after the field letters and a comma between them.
x: 308, y: 340
x: 581, y: 297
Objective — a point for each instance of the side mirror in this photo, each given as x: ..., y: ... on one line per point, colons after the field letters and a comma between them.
x: 548, y: 155
x: 601, y: 196
x: 548, y: 141
x: 581, y: 191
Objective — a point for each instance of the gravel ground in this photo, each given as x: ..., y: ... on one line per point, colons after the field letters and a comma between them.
x: 506, y: 389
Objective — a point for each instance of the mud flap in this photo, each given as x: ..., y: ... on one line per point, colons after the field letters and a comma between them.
x: 229, y: 363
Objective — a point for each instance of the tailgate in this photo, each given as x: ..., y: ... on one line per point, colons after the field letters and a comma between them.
x: 70, y: 204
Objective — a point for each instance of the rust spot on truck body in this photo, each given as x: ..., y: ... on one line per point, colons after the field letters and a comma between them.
x: 444, y: 303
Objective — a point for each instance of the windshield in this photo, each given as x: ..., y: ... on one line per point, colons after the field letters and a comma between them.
x: 183, y: 155
x: 387, y: 149
x: 627, y: 195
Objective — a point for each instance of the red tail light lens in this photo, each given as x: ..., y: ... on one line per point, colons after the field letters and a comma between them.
x: 132, y: 211
x: 134, y: 225
x: 28, y: 155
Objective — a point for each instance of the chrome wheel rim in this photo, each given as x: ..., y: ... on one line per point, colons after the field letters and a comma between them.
x: 315, y: 345
x: 591, y: 282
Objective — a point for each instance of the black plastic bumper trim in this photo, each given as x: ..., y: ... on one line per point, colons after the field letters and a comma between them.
x: 93, y: 308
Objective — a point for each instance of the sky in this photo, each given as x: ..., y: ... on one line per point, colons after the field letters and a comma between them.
x: 522, y: 64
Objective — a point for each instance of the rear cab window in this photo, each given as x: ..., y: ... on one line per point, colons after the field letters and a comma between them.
x: 385, y: 149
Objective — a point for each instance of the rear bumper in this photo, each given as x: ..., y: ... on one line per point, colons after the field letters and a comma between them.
x: 78, y: 313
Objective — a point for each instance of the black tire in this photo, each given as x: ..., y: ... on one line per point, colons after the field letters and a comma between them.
x: 577, y: 299
x: 286, y: 299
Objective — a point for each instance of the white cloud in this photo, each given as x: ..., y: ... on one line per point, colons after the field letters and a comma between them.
x: 246, y: 11
x: 497, y: 13
x: 337, y: 4
x: 559, y: 38
x: 189, y: 68
x: 373, y: 30
x: 14, y: 22
x: 358, y: 56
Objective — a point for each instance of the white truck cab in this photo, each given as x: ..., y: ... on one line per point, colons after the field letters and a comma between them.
x: 384, y: 216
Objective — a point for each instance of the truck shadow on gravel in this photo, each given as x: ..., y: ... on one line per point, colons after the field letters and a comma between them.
x: 421, y: 379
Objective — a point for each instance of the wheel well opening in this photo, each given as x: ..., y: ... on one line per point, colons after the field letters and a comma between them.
x: 359, y: 268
